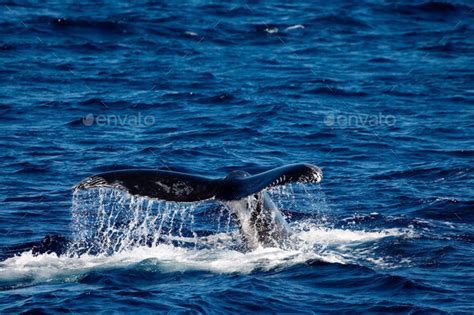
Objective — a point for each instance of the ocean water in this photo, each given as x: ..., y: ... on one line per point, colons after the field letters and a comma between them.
x: 379, y: 94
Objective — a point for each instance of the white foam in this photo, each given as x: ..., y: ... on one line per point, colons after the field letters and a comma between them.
x: 216, y: 253
x: 190, y: 33
x: 166, y: 258
x: 325, y: 235
x: 294, y: 27
x: 312, y: 243
x: 271, y: 30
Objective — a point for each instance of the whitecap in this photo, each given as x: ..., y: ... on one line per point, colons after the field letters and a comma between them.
x: 294, y: 27
x: 271, y: 30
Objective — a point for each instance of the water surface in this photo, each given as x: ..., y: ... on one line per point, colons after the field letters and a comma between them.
x: 378, y: 94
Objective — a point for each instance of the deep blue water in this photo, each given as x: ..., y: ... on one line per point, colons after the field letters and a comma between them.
x: 379, y: 94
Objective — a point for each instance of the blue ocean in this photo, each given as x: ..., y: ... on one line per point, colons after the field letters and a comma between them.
x: 378, y: 94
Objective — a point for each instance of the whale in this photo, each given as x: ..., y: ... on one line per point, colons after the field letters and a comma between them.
x: 246, y: 196
x: 260, y: 221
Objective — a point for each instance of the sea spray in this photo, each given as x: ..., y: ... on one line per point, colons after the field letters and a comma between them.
x: 112, y: 230
x: 105, y: 221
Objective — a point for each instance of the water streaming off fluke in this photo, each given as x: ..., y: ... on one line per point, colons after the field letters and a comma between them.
x: 106, y: 221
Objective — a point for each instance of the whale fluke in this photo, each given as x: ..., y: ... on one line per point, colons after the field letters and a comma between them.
x: 182, y: 187
x: 156, y: 184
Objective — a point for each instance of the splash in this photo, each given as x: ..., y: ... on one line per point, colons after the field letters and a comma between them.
x: 107, y: 221
x: 213, y: 255
x: 114, y: 230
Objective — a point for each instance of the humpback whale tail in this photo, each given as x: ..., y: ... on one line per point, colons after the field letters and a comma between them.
x: 261, y: 223
x: 181, y: 187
